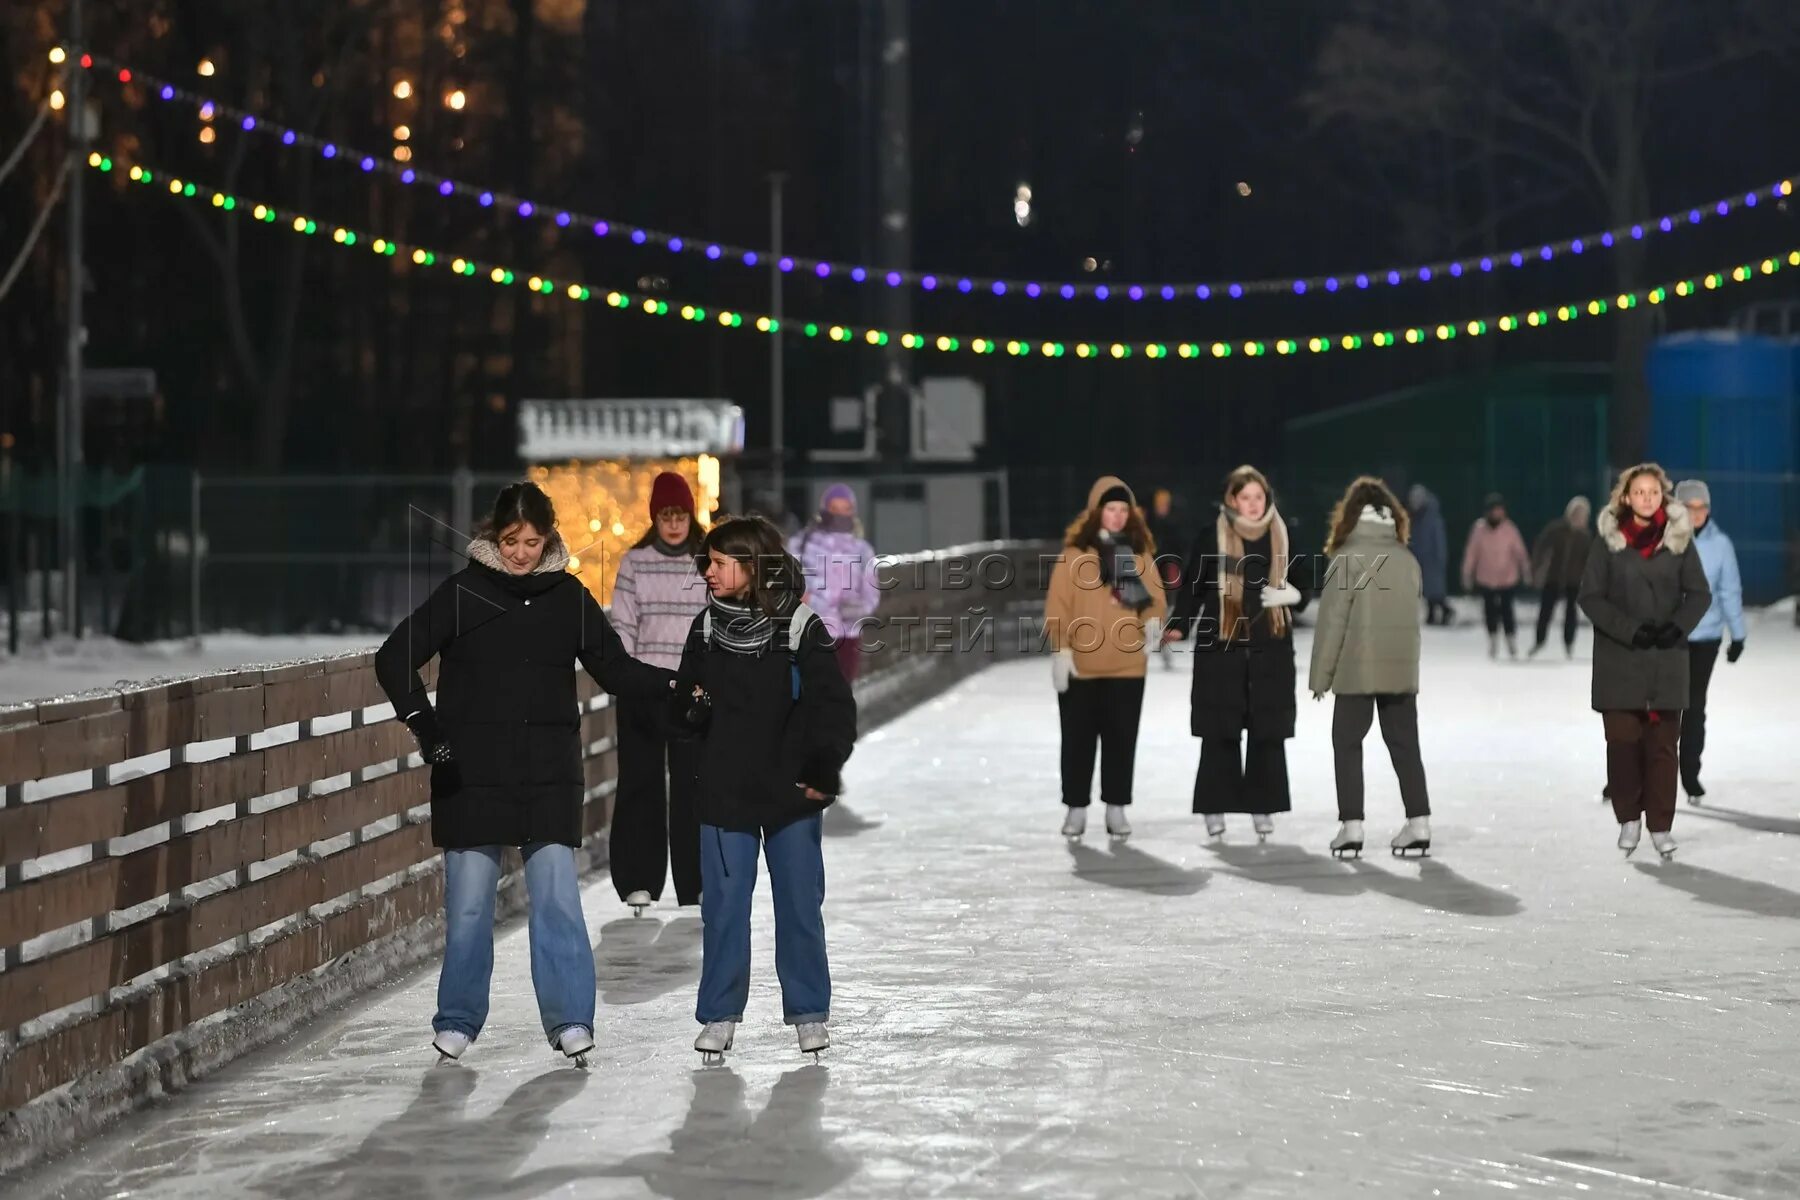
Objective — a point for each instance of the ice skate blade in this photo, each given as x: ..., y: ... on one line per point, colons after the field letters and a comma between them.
x: 1629, y: 850
x: 1421, y: 849
x: 1350, y: 850
x: 580, y: 1060
x: 712, y: 1058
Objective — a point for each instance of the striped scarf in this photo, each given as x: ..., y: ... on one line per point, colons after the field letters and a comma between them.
x: 744, y: 628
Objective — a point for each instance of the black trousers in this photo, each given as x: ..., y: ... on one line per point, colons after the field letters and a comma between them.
x: 1497, y: 610
x: 1437, y: 612
x: 1350, y: 721
x: 1702, y: 658
x: 655, y: 826
x: 1547, y: 611
x: 1242, y: 776
x: 1099, y: 715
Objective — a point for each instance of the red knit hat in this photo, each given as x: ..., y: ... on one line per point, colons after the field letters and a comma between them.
x: 670, y: 491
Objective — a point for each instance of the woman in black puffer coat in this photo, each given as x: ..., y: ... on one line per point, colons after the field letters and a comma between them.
x: 1645, y: 590
x: 504, y: 741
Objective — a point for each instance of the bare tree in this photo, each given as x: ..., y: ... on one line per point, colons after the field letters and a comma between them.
x: 1565, y: 90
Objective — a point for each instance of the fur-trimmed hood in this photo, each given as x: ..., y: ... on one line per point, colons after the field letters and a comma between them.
x: 556, y: 555
x: 1678, y: 534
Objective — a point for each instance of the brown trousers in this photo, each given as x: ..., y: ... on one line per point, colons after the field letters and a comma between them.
x: 1643, y: 763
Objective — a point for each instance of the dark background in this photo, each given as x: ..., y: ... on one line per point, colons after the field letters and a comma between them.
x: 1370, y: 134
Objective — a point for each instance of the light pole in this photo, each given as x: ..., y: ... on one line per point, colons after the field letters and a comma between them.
x: 69, y: 426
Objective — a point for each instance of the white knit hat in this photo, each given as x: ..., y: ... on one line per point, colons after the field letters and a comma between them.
x: 1690, y: 491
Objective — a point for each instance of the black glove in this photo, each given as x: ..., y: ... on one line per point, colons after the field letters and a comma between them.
x: 1645, y: 637
x: 1734, y: 651
x: 430, y: 736
x: 699, y: 711
x: 1669, y: 635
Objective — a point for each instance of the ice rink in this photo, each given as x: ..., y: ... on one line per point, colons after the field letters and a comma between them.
x: 1524, y: 1011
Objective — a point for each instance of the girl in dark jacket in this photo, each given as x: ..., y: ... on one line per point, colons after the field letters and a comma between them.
x: 1234, y: 603
x: 760, y: 682
x: 1645, y: 590
x: 504, y: 744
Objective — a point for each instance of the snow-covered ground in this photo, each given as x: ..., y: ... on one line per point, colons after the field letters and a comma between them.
x: 42, y: 670
x: 1014, y: 1016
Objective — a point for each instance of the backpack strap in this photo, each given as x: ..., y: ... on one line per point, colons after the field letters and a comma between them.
x: 706, y: 625
x: 797, y: 624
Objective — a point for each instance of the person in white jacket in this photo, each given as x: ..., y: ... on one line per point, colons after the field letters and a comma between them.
x: 1718, y: 558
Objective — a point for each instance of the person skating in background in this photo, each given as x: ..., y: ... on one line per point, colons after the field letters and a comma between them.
x: 1718, y: 558
x: 1430, y: 546
x: 1645, y: 591
x: 1167, y: 535
x: 1366, y: 653
x: 1495, y: 563
x: 656, y: 596
x: 840, y: 573
x: 1103, y: 591
x: 1234, y: 604
x: 760, y: 683
x: 1558, y: 558
x: 504, y: 744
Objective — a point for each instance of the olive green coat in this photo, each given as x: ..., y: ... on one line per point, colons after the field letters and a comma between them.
x: 1367, y: 637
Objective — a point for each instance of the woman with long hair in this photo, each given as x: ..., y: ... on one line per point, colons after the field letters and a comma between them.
x: 1366, y: 652
x: 1645, y: 590
x: 1234, y: 604
x: 1103, y: 590
x: 504, y: 744
x: 840, y: 573
x: 760, y: 683
x: 656, y: 596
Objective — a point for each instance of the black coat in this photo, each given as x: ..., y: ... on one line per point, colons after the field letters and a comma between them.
x: 1246, y: 684
x: 1622, y: 590
x: 507, y: 647
x: 760, y: 742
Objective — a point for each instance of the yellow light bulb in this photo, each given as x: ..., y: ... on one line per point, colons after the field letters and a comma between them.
x: 58, y: 55
x: 57, y: 100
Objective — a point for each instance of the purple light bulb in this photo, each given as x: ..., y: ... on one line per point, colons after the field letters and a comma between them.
x: 964, y: 286
x: 407, y: 176
x: 1694, y: 216
x: 168, y: 93
x: 1393, y: 278
x: 1577, y: 246
x: 1135, y: 292
x: 1666, y: 225
x: 1168, y: 292
x: 1331, y: 285
x: 749, y: 258
x: 1518, y: 260
x: 1299, y: 287
x: 1606, y: 239
x: 929, y: 283
x: 445, y: 188
x: 1102, y: 292
x: 1236, y: 290
x: 1033, y: 290
x: 330, y: 151
x: 1067, y: 291
x: 1487, y: 264
x: 1425, y: 274
x: 1637, y: 233
x: 713, y: 252
x: 368, y: 164
x: 858, y: 274
x: 822, y: 270
x: 1546, y: 254
x: 1724, y: 206
x: 249, y: 124
x: 601, y: 228
x: 1456, y: 270
x: 1202, y: 292
x: 289, y: 138
x: 1362, y: 281
x: 563, y: 219
x: 487, y: 199
x: 1749, y: 199
x: 526, y: 208
x: 999, y: 287
x: 639, y: 237
x: 675, y: 245
x: 786, y: 264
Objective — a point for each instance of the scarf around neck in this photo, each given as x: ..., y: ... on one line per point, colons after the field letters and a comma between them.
x: 1119, y: 571
x: 1645, y: 536
x: 742, y: 627
x: 1233, y: 532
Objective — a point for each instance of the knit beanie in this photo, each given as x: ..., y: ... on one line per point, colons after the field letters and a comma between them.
x: 1120, y: 493
x: 1693, y: 491
x: 837, y: 491
x: 671, y: 491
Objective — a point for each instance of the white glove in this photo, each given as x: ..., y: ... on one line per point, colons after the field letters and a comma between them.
x: 1153, y: 630
x: 1285, y: 596
x: 1062, y: 669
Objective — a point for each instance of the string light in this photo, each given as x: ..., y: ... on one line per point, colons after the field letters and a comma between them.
x: 930, y: 281
x: 845, y: 334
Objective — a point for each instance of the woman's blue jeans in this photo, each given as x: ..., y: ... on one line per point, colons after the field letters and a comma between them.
x: 562, y: 962
x: 797, y: 885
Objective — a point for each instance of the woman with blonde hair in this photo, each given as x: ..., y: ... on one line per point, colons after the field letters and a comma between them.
x: 1645, y: 592
x: 1103, y: 591
x: 1366, y: 652
x: 1234, y: 604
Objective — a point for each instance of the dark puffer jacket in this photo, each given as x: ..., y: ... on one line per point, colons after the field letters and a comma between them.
x: 507, y: 646
x: 1621, y: 590
x: 1247, y: 683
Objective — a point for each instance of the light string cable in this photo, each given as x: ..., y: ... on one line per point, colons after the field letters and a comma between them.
x: 950, y: 281
x: 844, y: 333
x: 37, y: 229
x: 31, y: 133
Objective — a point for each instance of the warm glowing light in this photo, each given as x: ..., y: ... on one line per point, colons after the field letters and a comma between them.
x: 208, y: 135
x: 58, y: 55
x: 456, y: 100
x: 206, y: 68
x: 58, y: 100
x: 403, y: 90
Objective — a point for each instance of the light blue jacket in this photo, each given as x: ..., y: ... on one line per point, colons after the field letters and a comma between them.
x: 1719, y: 560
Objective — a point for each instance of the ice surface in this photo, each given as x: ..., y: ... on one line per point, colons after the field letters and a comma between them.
x: 43, y: 670
x: 1523, y: 1012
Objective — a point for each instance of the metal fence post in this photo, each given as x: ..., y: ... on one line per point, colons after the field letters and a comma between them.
x: 462, y: 501
x: 194, y: 558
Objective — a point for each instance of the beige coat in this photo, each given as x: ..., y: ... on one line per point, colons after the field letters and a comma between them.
x: 1081, y: 614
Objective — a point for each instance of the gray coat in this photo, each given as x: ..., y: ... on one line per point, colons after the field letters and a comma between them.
x: 1367, y: 637
x: 1622, y: 590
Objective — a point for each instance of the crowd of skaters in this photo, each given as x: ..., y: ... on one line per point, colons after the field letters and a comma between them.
x: 731, y: 652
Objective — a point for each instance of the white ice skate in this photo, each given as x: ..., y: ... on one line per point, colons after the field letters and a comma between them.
x: 1117, y: 827
x: 450, y: 1044
x: 715, y: 1040
x: 576, y: 1043
x: 1075, y: 824
x: 639, y: 901
x: 1664, y: 843
x: 1349, y: 840
x: 1264, y: 825
x: 814, y: 1038
x: 1493, y: 645
x: 1512, y: 646
x: 1629, y: 832
x: 1215, y: 825
x: 1414, y: 838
